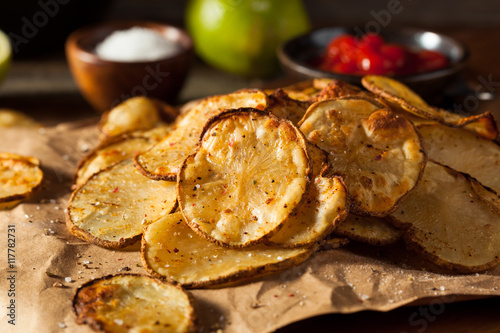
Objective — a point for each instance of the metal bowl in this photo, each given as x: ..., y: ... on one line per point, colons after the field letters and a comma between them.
x: 296, y: 55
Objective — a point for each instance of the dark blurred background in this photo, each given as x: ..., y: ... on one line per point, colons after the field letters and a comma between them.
x: 433, y: 14
x: 39, y: 71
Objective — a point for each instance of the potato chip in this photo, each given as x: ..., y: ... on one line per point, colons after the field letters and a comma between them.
x: 282, y: 106
x: 108, y: 154
x: 326, y: 205
x: 464, y: 151
x: 135, y: 303
x: 20, y: 176
x: 338, y: 88
x: 117, y: 149
x: 250, y: 172
x: 170, y: 249
x: 397, y: 93
x: 371, y: 230
x: 12, y: 118
x: 164, y: 159
x: 379, y: 152
x: 112, y: 208
x: 449, y: 223
x: 137, y: 113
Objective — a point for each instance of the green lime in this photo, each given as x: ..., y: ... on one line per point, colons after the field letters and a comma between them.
x: 5, y: 55
x: 241, y: 36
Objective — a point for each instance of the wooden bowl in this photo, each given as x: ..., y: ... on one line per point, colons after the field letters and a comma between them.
x: 105, y: 84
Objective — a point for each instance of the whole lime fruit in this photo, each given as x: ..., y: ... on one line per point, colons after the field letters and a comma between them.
x: 241, y: 36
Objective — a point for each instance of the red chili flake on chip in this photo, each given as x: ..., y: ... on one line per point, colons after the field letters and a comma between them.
x: 176, y: 250
x: 115, y: 190
x: 231, y: 142
x: 378, y: 157
x: 172, y: 144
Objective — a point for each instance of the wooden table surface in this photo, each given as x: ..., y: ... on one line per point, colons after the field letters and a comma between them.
x: 43, y: 88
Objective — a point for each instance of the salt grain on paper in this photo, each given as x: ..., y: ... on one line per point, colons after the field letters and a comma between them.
x: 67, y: 279
x: 136, y: 44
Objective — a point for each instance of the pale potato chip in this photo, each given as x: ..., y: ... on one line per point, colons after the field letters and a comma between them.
x: 134, y: 303
x: 164, y: 159
x: 12, y: 118
x: 117, y: 149
x: 326, y: 205
x: 449, y: 223
x: 379, y: 152
x: 371, y: 230
x: 399, y: 94
x: 136, y: 113
x: 107, y: 154
x: 171, y: 250
x: 112, y: 208
x: 464, y: 151
x: 250, y: 172
x: 20, y: 176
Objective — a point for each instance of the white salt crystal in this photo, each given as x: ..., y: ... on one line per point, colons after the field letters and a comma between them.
x: 67, y: 279
x: 136, y: 44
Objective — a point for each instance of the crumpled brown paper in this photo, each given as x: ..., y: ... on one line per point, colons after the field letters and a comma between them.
x: 347, y: 280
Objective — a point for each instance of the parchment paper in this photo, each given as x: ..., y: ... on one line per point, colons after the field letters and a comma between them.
x: 347, y: 280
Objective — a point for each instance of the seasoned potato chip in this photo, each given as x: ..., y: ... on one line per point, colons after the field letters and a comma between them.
x: 19, y: 177
x: 338, y: 88
x: 380, y: 153
x: 163, y: 160
x: 250, y: 172
x: 112, y: 208
x: 118, y: 149
x: 109, y: 153
x: 281, y: 105
x: 370, y: 230
x: 12, y: 118
x: 399, y: 94
x: 465, y: 152
x: 137, y: 113
x: 325, y: 206
x: 135, y: 303
x: 170, y: 249
x: 449, y: 223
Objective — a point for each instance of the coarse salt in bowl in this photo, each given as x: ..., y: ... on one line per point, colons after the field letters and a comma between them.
x: 136, y: 44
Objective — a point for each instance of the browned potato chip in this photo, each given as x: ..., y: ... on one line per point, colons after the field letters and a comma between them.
x: 370, y: 230
x: 281, y: 105
x: 164, y: 159
x: 326, y: 205
x: 20, y: 176
x: 135, y: 303
x: 250, y: 172
x: 379, y: 152
x: 137, y: 113
x: 12, y: 118
x: 399, y: 94
x: 338, y: 88
x: 450, y: 223
x: 112, y: 208
x: 170, y: 249
x: 464, y: 151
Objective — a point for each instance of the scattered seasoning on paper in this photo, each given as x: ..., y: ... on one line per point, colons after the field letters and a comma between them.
x: 67, y: 279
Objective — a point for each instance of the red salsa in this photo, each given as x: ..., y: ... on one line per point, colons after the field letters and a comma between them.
x: 346, y: 54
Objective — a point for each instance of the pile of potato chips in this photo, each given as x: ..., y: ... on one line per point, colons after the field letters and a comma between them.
x: 252, y: 182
